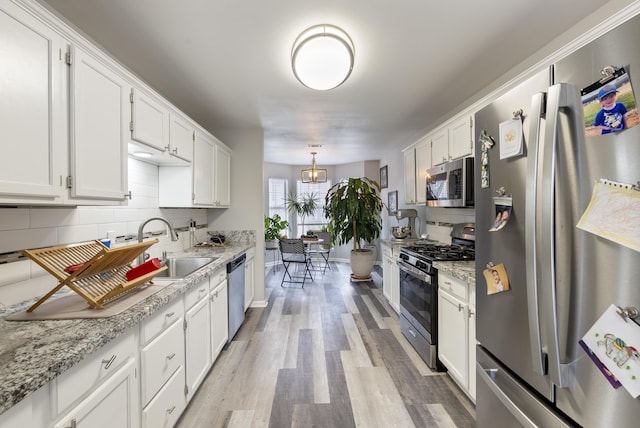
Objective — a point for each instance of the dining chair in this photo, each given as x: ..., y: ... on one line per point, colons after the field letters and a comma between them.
x: 322, y: 250
x: 292, y: 251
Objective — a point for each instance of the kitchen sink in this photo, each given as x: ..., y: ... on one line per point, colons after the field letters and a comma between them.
x: 179, y: 267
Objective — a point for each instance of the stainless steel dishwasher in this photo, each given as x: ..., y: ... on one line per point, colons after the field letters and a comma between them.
x: 235, y: 281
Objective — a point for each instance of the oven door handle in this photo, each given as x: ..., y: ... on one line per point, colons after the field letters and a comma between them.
x: 417, y: 273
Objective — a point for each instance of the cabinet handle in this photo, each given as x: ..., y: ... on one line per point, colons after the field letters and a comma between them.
x: 460, y: 307
x: 107, y: 363
x: 73, y: 423
x: 170, y: 357
x: 169, y: 315
x: 471, y: 313
x: 202, y: 290
x: 175, y: 151
x: 413, y: 333
x: 447, y: 283
x: 169, y: 411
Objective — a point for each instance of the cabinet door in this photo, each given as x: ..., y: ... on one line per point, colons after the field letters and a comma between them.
x: 395, y: 285
x: 222, y: 176
x: 219, y: 319
x: 461, y: 138
x: 440, y: 148
x: 112, y: 404
x: 31, y: 109
x: 99, y: 120
x: 149, y: 121
x: 386, y: 278
x: 197, y: 345
x: 452, y: 336
x: 423, y: 162
x: 410, y: 176
x: 181, y: 136
x: 203, y: 171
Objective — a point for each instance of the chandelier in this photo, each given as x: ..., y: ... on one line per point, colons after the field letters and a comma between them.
x: 314, y: 174
x: 322, y: 57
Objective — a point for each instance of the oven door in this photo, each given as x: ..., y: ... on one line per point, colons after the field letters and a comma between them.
x: 418, y: 300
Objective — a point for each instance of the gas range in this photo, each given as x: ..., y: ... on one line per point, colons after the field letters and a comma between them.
x: 421, y: 256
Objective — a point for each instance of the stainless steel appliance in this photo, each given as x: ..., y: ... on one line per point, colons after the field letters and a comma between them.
x: 451, y: 184
x: 419, y: 291
x: 531, y: 369
x: 407, y: 232
x: 235, y: 281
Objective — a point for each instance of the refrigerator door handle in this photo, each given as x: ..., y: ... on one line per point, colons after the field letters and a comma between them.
x: 561, y: 96
x: 535, y: 119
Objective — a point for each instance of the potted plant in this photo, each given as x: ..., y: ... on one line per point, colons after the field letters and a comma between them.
x: 353, y: 207
x: 272, y: 228
x: 302, y: 205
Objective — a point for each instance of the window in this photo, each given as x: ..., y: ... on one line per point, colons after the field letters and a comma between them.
x: 278, y: 190
x: 317, y: 220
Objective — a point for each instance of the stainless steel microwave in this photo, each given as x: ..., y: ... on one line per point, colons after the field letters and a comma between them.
x: 451, y: 184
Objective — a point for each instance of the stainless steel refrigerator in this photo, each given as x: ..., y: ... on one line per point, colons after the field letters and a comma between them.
x: 531, y: 370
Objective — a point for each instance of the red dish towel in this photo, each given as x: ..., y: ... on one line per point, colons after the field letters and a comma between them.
x: 143, y: 269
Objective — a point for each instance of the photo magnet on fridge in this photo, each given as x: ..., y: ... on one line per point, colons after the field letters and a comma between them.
x: 496, y: 279
x: 609, y: 105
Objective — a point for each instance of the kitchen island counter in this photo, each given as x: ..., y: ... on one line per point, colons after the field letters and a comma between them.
x: 32, y: 353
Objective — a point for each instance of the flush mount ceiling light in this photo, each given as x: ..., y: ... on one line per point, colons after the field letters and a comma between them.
x: 314, y: 174
x: 322, y: 57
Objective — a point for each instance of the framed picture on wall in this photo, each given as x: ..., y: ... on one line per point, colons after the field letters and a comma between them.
x: 392, y: 202
x: 384, y: 182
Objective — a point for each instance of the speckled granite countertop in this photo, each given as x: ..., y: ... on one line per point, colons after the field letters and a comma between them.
x: 34, y: 352
x: 465, y: 271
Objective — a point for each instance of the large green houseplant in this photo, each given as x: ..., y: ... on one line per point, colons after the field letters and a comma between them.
x: 353, y: 207
x: 273, y: 226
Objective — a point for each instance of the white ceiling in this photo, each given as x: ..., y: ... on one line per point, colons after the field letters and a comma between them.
x: 226, y: 63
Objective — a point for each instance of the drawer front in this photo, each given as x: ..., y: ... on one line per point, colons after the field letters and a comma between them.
x: 196, y: 293
x: 165, y: 409
x: 161, y: 320
x: 90, y: 372
x: 453, y: 286
x: 160, y: 359
x: 217, y: 277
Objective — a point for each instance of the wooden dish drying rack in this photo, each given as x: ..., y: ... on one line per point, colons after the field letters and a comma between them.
x: 102, y: 276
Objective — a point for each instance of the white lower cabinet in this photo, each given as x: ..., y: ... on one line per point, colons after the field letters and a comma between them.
x: 112, y: 404
x: 391, y: 278
x: 167, y: 406
x: 457, y: 331
x: 219, y: 317
x: 197, y: 336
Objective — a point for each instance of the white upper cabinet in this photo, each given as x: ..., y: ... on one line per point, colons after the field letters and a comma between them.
x: 440, y: 147
x: 203, y: 171
x: 181, y: 137
x: 461, y: 137
x: 222, y: 184
x: 149, y: 120
x: 32, y: 167
x: 410, y: 176
x: 99, y: 111
x: 454, y: 141
x: 423, y: 162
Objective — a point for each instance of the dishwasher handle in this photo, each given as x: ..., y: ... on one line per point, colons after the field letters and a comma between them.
x: 236, y: 263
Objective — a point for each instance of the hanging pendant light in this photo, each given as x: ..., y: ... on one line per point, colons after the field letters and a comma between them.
x: 314, y: 174
x: 322, y: 57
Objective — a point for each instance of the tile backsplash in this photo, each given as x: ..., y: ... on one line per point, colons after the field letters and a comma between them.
x: 35, y: 227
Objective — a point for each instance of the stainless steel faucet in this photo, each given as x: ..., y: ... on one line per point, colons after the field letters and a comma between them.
x: 172, y: 233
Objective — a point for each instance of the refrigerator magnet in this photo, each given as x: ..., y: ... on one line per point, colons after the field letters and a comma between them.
x: 609, y: 104
x: 511, y: 142
x: 486, y: 142
x: 496, y: 279
x: 503, y: 208
x: 616, y: 343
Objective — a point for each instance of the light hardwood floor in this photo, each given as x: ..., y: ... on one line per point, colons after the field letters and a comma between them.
x: 328, y: 355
